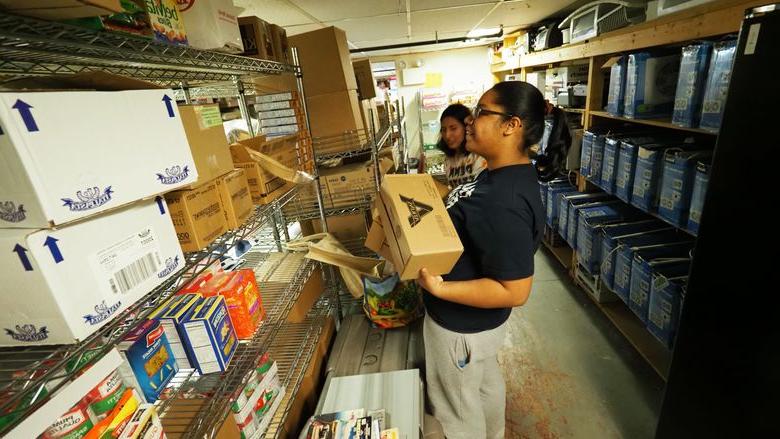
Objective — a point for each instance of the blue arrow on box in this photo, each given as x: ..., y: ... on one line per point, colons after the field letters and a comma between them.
x: 51, y: 242
x: 167, y: 99
x: 27, y: 117
x: 22, y: 252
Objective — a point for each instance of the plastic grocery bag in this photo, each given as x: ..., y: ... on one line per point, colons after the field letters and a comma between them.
x: 391, y: 302
x: 280, y: 170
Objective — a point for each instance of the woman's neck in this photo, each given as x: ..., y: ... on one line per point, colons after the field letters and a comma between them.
x: 500, y: 162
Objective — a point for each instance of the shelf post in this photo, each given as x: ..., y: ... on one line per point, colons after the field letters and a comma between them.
x: 185, y: 89
x: 594, y: 101
x: 242, y: 105
x: 401, y: 136
x: 375, y: 147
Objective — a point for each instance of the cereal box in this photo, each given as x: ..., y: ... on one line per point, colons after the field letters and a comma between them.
x: 150, y: 363
x: 242, y: 298
x: 209, y: 335
x: 179, y: 310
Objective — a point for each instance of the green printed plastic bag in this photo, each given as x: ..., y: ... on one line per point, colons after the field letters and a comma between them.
x: 390, y: 302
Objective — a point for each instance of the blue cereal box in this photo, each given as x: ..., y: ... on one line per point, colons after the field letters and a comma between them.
x: 149, y: 362
x: 690, y: 84
x: 617, y: 87
x: 677, y: 184
x: 209, y: 335
x: 700, y: 183
x: 650, y: 85
x: 178, y: 311
x: 717, y: 85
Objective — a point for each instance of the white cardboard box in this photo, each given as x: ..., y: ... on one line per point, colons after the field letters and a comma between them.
x: 212, y: 25
x: 66, y: 155
x: 60, y: 286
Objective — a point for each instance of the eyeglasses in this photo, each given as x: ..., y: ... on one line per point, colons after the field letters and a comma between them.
x: 478, y: 111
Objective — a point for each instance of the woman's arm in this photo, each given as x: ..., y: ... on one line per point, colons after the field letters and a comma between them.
x: 479, y: 293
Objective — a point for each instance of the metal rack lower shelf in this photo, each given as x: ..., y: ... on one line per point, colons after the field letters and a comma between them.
x: 31, y: 376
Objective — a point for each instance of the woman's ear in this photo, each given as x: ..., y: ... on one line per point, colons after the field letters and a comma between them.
x: 512, y: 126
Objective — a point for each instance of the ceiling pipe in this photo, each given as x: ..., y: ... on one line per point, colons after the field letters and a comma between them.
x: 427, y: 43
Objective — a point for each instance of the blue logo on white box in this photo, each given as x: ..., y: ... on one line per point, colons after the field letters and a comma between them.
x: 170, y: 265
x: 88, y: 199
x: 102, y: 312
x: 28, y: 333
x: 174, y: 174
x: 9, y: 212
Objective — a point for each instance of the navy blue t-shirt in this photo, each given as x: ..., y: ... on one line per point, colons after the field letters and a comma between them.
x: 499, y: 220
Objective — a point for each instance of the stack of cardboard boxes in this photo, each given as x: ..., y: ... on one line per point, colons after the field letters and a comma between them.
x: 282, y: 114
x: 264, y: 40
x: 329, y: 81
x: 78, y: 219
x: 366, y: 88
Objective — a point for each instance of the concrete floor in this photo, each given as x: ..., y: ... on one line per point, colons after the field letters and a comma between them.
x: 569, y: 372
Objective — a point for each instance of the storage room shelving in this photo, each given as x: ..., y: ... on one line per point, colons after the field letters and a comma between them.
x: 711, y: 20
x: 32, y: 47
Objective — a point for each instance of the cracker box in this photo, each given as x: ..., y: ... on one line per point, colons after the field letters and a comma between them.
x: 67, y: 155
x: 166, y: 21
x: 112, y: 260
x: 180, y: 309
x: 145, y: 424
x: 209, y: 335
x: 150, y: 364
x: 242, y: 297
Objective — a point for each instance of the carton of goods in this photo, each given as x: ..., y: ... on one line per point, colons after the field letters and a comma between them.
x: 642, y: 271
x: 105, y: 396
x: 261, y: 181
x: 275, y: 114
x: 324, y: 56
x: 366, y: 84
x: 275, y: 97
x: 253, y: 410
x: 206, y: 137
x: 242, y: 296
x: 617, y: 85
x: 334, y: 113
x: 113, y: 425
x: 150, y: 363
x: 235, y: 198
x: 629, y: 235
x: 700, y: 183
x: 417, y: 227
x: 209, y: 335
x: 281, y: 44
x: 42, y: 139
x: 567, y: 221
x: 665, y: 305
x: 690, y: 84
x: 256, y: 38
x: 590, y: 221
x: 625, y: 256
x: 650, y: 85
x: 274, y: 106
x: 212, y: 25
x: 145, y: 424
x: 180, y: 308
x: 350, y: 184
x: 280, y: 130
x: 275, y: 122
x: 677, y: 179
x: 197, y: 216
x: 75, y: 423
x: 717, y: 86
x: 114, y: 259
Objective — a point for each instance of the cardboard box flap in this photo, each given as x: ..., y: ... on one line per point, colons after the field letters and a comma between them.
x: 98, y: 81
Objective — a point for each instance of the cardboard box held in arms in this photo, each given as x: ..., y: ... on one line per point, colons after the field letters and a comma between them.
x: 417, y: 228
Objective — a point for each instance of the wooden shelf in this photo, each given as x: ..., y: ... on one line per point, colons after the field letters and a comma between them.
x: 652, y: 122
x: 563, y: 254
x: 574, y: 110
x: 716, y: 18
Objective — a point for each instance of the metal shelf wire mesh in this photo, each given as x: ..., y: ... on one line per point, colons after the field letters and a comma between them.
x: 30, y: 46
x: 29, y: 375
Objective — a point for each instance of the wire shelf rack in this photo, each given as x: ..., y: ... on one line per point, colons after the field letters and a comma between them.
x: 292, y: 271
x: 29, y: 376
x: 29, y: 46
x: 305, y: 207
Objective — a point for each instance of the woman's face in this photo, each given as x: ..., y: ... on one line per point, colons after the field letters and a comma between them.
x: 484, y: 132
x: 452, y: 132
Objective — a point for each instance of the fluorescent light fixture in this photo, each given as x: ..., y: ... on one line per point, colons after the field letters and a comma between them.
x: 483, y: 32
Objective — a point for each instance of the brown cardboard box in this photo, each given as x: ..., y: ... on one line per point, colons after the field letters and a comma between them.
x: 344, y: 228
x: 261, y: 182
x: 309, y: 295
x: 366, y: 84
x: 324, y: 57
x: 281, y: 44
x: 417, y: 226
x: 347, y: 185
x: 197, y: 216
x: 257, y: 38
x: 61, y: 9
x: 235, y: 198
x: 376, y: 241
x: 334, y: 113
x: 206, y: 137
x: 180, y: 413
x: 365, y: 106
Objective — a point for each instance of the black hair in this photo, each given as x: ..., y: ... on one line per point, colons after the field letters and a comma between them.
x: 458, y: 112
x: 525, y: 101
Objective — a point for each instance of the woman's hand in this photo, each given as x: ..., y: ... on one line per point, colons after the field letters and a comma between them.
x: 432, y: 284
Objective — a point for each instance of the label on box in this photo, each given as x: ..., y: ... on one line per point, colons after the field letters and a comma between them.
x: 208, y: 116
x: 129, y: 263
x: 72, y: 425
x: 104, y: 397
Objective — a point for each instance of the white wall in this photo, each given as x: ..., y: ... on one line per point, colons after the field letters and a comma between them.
x: 460, y: 68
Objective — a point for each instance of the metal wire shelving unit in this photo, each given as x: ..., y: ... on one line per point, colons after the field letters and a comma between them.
x: 31, y: 376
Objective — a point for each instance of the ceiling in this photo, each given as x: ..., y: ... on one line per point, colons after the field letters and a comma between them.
x: 371, y: 23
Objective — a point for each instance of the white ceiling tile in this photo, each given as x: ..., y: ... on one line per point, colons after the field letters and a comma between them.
x: 448, y: 21
x: 418, y: 5
x: 335, y: 10
x: 273, y: 11
x: 372, y: 29
x: 295, y: 30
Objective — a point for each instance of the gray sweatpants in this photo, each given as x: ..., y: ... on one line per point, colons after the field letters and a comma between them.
x: 465, y: 387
